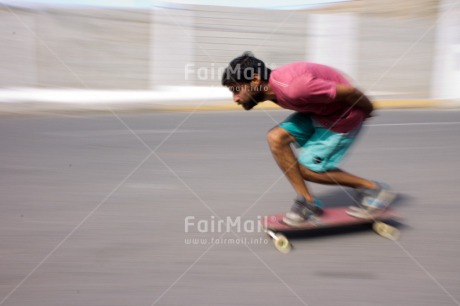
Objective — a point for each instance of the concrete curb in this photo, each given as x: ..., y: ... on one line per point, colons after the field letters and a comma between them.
x: 29, y: 101
x: 379, y: 104
x: 43, y: 108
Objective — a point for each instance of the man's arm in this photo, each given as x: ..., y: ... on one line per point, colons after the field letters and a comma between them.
x: 354, y: 97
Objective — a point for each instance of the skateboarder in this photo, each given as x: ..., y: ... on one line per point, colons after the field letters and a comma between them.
x: 329, y: 113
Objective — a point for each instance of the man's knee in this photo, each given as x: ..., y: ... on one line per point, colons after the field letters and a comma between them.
x: 279, y: 137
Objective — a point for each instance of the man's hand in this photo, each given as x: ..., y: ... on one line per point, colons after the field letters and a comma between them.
x: 354, y: 97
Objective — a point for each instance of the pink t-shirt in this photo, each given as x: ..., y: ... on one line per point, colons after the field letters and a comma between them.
x: 311, y: 88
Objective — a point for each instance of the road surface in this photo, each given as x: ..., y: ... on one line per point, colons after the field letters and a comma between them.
x: 133, y: 210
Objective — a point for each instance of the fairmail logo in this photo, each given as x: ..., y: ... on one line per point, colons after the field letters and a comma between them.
x: 224, y: 225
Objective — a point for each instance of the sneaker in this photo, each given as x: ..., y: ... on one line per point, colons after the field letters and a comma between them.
x: 377, y: 199
x: 301, y: 210
x: 363, y: 213
x: 374, y: 201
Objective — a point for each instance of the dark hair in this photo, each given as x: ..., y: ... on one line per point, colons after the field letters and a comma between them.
x: 243, y: 68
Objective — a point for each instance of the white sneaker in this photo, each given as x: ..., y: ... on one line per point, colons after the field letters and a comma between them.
x: 374, y: 201
x: 379, y: 198
x: 364, y: 213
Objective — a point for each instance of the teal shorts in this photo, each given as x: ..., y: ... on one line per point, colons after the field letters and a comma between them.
x: 321, y: 149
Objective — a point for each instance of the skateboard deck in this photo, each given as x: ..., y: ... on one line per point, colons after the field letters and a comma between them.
x: 331, y: 218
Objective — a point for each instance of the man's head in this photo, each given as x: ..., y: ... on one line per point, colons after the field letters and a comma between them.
x: 245, y: 76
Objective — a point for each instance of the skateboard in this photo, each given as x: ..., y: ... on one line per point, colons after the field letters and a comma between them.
x: 274, y: 226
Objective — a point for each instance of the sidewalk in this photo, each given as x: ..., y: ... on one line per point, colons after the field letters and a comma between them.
x: 36, y: 101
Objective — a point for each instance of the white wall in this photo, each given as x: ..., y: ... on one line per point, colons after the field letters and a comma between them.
x: 446, y: 72
x: 172, y: 38
x: 332, y: 41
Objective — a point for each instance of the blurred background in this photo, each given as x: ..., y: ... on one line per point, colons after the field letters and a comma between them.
x: 392, y: 49
x: 93, y: 205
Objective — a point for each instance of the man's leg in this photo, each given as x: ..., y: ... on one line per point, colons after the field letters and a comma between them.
x: 337, y: 177
x: 280, y: 141
x: 319, y: 159
x: 304, y: 205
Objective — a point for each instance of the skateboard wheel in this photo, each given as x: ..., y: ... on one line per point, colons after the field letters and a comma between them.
x: 386, y: 230
x: 282, y: 244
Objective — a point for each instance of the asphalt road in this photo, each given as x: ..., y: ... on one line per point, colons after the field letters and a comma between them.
x: 100, y: 210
